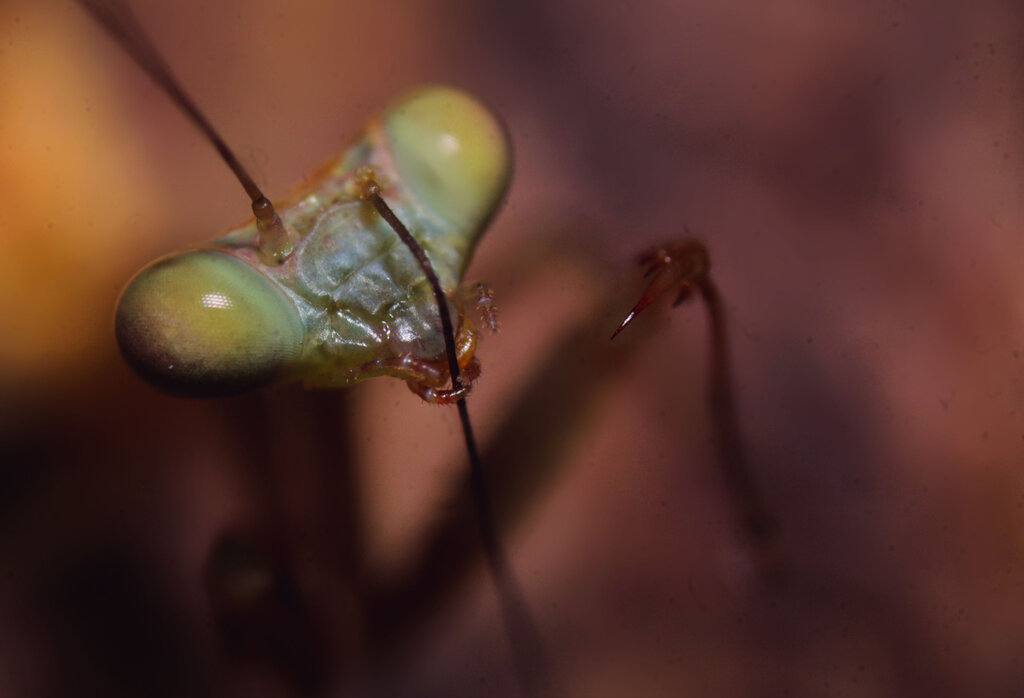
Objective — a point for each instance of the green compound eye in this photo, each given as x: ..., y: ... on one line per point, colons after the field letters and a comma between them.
x: 451, y: 151
x: 206, y: 323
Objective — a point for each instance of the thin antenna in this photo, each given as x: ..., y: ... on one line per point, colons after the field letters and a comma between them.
x: 532, y: 663
x: 276, y: 241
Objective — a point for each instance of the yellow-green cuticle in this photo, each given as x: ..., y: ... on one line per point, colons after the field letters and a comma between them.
x: 451, y: 151
x: 206, y: 323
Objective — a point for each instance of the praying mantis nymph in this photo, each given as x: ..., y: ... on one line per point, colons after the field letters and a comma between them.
x: 331, y: 296
x: 321, y: 290
x: 357, y: 274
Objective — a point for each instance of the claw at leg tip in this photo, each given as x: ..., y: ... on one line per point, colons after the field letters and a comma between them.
x: 622, y: 326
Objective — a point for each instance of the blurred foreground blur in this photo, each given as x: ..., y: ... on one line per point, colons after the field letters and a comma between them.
x: 857, y: 171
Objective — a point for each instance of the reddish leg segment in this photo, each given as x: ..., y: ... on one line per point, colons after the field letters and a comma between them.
x: 678, y: 266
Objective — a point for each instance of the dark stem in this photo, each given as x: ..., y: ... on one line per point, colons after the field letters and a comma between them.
x: 524, y: 638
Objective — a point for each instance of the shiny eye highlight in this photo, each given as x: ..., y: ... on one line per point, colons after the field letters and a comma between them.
x: 451, y: 151
x: 206, y: 323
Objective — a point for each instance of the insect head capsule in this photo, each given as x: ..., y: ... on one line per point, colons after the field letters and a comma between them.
x: 347, y: 301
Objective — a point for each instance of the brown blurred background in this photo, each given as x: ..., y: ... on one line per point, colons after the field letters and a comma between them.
x: 856, y: 169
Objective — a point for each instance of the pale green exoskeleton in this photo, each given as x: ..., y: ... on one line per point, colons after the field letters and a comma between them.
x: 333, y: 297
x: 355, y: 275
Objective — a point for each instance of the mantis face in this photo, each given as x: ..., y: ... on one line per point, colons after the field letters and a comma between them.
x: 222, y: 318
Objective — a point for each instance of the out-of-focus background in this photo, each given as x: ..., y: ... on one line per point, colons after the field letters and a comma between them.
x: 857, y: 171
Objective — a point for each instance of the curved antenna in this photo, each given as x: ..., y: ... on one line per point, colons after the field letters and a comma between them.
x: 276, y: 241
x: 532, y: 664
